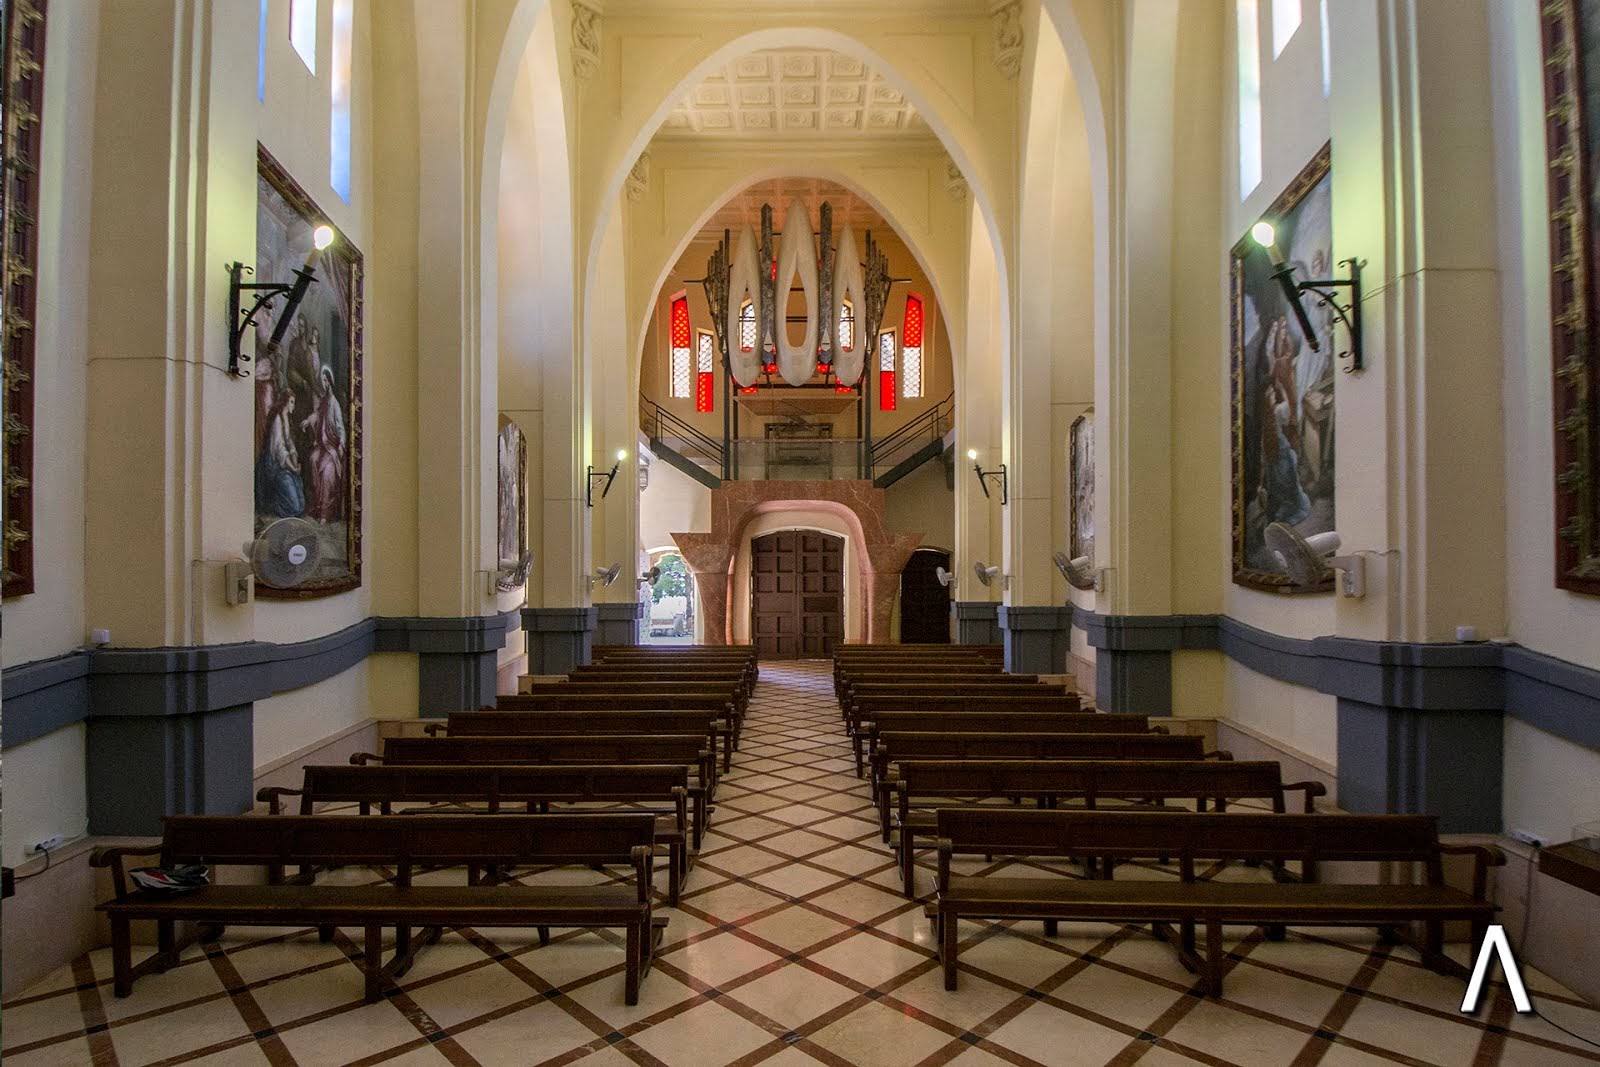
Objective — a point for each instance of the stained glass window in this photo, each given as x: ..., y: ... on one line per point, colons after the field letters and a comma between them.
x: 886, y: 390
x: 1285, y: 20
x: 303, y: 31
x: 1247, y: 23
x: 847, y: 325
x: 680, y: 349
x: 705, y: 381
x: 911, y: 349
x: 747, y: 327
x: 339, y: 141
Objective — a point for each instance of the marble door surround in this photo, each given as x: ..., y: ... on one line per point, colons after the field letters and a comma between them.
x: 859, y: 504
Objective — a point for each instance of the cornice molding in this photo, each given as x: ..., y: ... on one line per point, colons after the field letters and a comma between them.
x: 1007, y: 18
x: 585, y: 39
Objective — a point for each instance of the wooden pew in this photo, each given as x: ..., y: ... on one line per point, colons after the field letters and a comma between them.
x: 403, y: 843
x: 1194, y: 838
x: 536, y: 787
x: 921, y: 787
x: 662, y: 697
x: 743, y: 655
x: 1024, y: 715
x: 957, y: 688
x: 686, y: 749
x: 890, y: 747
x: 562, y: 720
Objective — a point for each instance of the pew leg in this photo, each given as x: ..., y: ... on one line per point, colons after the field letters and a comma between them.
x: 121, y: 956
x: 861, y: 769
x: 166, y: 942
x: 1051, y: 926
x: 210, y: 932
x: 1434, y: 943
x: 636, y: 939
x: 324, y: 934
x: 1276, y: 931
x: 544, y: 935
x: 1213, y: 978
x: 675, y: 862
x: 372, y: 962
x: 947, y: 952
x: 908, y: 865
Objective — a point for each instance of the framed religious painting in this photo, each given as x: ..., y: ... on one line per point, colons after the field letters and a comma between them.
x: 511, y: 510
x: 1282, y: 387
x: 1571, y: 34
x: 1080, y: 520
x: 22, y: 23
x: 308, y: 392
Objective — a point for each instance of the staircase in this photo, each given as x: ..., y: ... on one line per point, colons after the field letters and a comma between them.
x: 928, y: 436
x: 681, y: 445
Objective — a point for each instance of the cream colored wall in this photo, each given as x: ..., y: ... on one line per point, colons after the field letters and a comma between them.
x: 1301, y: 718
x: 922, y: 503
x: 674, y: 503
x: 739, y: 601
x: 290, y: 720
x: 45, y: 792
x: 51, y: 620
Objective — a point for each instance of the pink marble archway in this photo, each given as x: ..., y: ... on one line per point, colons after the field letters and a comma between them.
x: 859, y: 504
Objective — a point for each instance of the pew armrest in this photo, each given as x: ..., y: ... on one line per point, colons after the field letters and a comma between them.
x: 1219, y: 754
x: 1483, y: 857
x: 273, y: 796
x: 643, y: 870
x: 113, y: 855
x: 1312, y: 790
x: 434, y: 729
x: 946, y: 849
x: 361, y: 759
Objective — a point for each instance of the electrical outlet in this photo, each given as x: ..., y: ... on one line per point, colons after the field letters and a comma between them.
x: 1527, y: 837
x: 53, y: 841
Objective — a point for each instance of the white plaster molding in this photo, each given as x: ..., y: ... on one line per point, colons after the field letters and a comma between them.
x: 585, y: 40
x: 638, y: 180
x: 1007, y: 16
x: 955, y: 183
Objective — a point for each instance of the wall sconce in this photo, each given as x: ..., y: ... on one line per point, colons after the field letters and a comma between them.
x: 610, y: 476
x: 294, y: 292
x: 984, y: 476
x: 1349, y: 314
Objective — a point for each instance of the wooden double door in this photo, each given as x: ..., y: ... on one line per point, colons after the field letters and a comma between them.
x: 796, y: 594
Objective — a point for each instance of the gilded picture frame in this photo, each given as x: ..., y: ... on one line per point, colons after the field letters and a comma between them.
x: 308, y: 409
x: 1570, y: 31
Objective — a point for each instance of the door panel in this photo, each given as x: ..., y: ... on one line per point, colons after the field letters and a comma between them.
x: 796, y: 594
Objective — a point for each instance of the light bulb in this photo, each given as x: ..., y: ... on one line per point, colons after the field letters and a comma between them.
x: 1264, y: 234
x: 972, y: 454
x: 322, y: 236
x: 622, y: 454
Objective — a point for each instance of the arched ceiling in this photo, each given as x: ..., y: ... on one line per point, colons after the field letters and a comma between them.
x: 796, y: 93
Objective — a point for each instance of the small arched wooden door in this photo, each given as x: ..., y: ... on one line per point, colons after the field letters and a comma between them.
x: 796, y: 594
x: 924, y: 601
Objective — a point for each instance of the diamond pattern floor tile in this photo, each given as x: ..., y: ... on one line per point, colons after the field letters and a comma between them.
x: 792, y: 945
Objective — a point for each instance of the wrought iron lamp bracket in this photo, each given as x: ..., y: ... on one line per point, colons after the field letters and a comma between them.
x: 1351, y: 360
x: 1000, y: 474
x: 609, y: 476
x: 293, y: 292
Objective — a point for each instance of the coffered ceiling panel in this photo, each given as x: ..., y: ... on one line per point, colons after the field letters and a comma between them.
x: 790, y: 93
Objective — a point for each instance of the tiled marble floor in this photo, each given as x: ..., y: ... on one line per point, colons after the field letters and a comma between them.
x: 793, y: 944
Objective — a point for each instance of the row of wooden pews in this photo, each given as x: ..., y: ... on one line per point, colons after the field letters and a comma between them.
x: 951, y: 755
x: 616, y: 766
